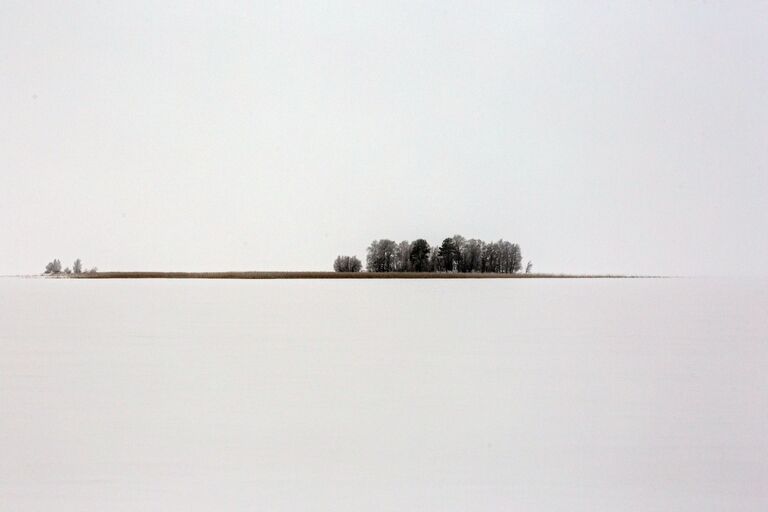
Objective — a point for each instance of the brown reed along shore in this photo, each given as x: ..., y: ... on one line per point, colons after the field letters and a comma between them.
x: 340, y: 275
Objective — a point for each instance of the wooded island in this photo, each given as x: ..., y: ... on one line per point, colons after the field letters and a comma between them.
x: 455, y: 254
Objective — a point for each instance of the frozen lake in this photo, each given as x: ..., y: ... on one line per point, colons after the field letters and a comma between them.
x: 532, y: 395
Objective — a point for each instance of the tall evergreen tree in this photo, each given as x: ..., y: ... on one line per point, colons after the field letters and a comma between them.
x: 449, y: 254
x: 420, y: 253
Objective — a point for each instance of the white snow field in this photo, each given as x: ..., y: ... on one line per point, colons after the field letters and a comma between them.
x: 384, y: 395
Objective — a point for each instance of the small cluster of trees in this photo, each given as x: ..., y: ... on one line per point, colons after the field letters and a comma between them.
x: 54, y: 268
x: 455, y: 254
x: 347, y: 264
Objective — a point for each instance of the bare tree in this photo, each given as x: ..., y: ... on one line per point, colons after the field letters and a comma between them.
x: 529, y: 267
x: 77, y: 268
x: 491, y: 257
x: 505, y: 257
x: 347, y: 264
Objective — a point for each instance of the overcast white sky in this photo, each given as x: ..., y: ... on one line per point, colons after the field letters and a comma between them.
x: 602, y: 137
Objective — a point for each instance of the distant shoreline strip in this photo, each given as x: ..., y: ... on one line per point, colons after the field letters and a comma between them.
x: 342, y: 275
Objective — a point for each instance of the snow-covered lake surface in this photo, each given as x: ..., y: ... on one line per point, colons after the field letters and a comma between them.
x: 530, y: 395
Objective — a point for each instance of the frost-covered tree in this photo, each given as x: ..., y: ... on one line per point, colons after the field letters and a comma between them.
x: 459, y: 242
x: 502, y: 257
x: 471, y: 256
x: 347, y: 264
x: 435, y: 260
x: 516, y: 262
x: 381, y: 256
x: 490, y: 257
x: 54, y: 267
x: 403, y: 256
x: 529, y: 267
x: 77, y: 267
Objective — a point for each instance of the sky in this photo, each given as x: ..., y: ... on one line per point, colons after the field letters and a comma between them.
x: 603, y: 137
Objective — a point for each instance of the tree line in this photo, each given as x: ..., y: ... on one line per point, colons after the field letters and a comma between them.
x: 54, y: 268
x: 454, y: 254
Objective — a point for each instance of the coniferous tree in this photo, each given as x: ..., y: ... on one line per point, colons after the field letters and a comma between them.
x: 449, y: 254
x: 420, y: 256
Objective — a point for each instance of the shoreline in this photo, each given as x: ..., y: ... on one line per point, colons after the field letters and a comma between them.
x: 340, y: 275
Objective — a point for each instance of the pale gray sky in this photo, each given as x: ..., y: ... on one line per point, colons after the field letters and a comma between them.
x: 602, y: 137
